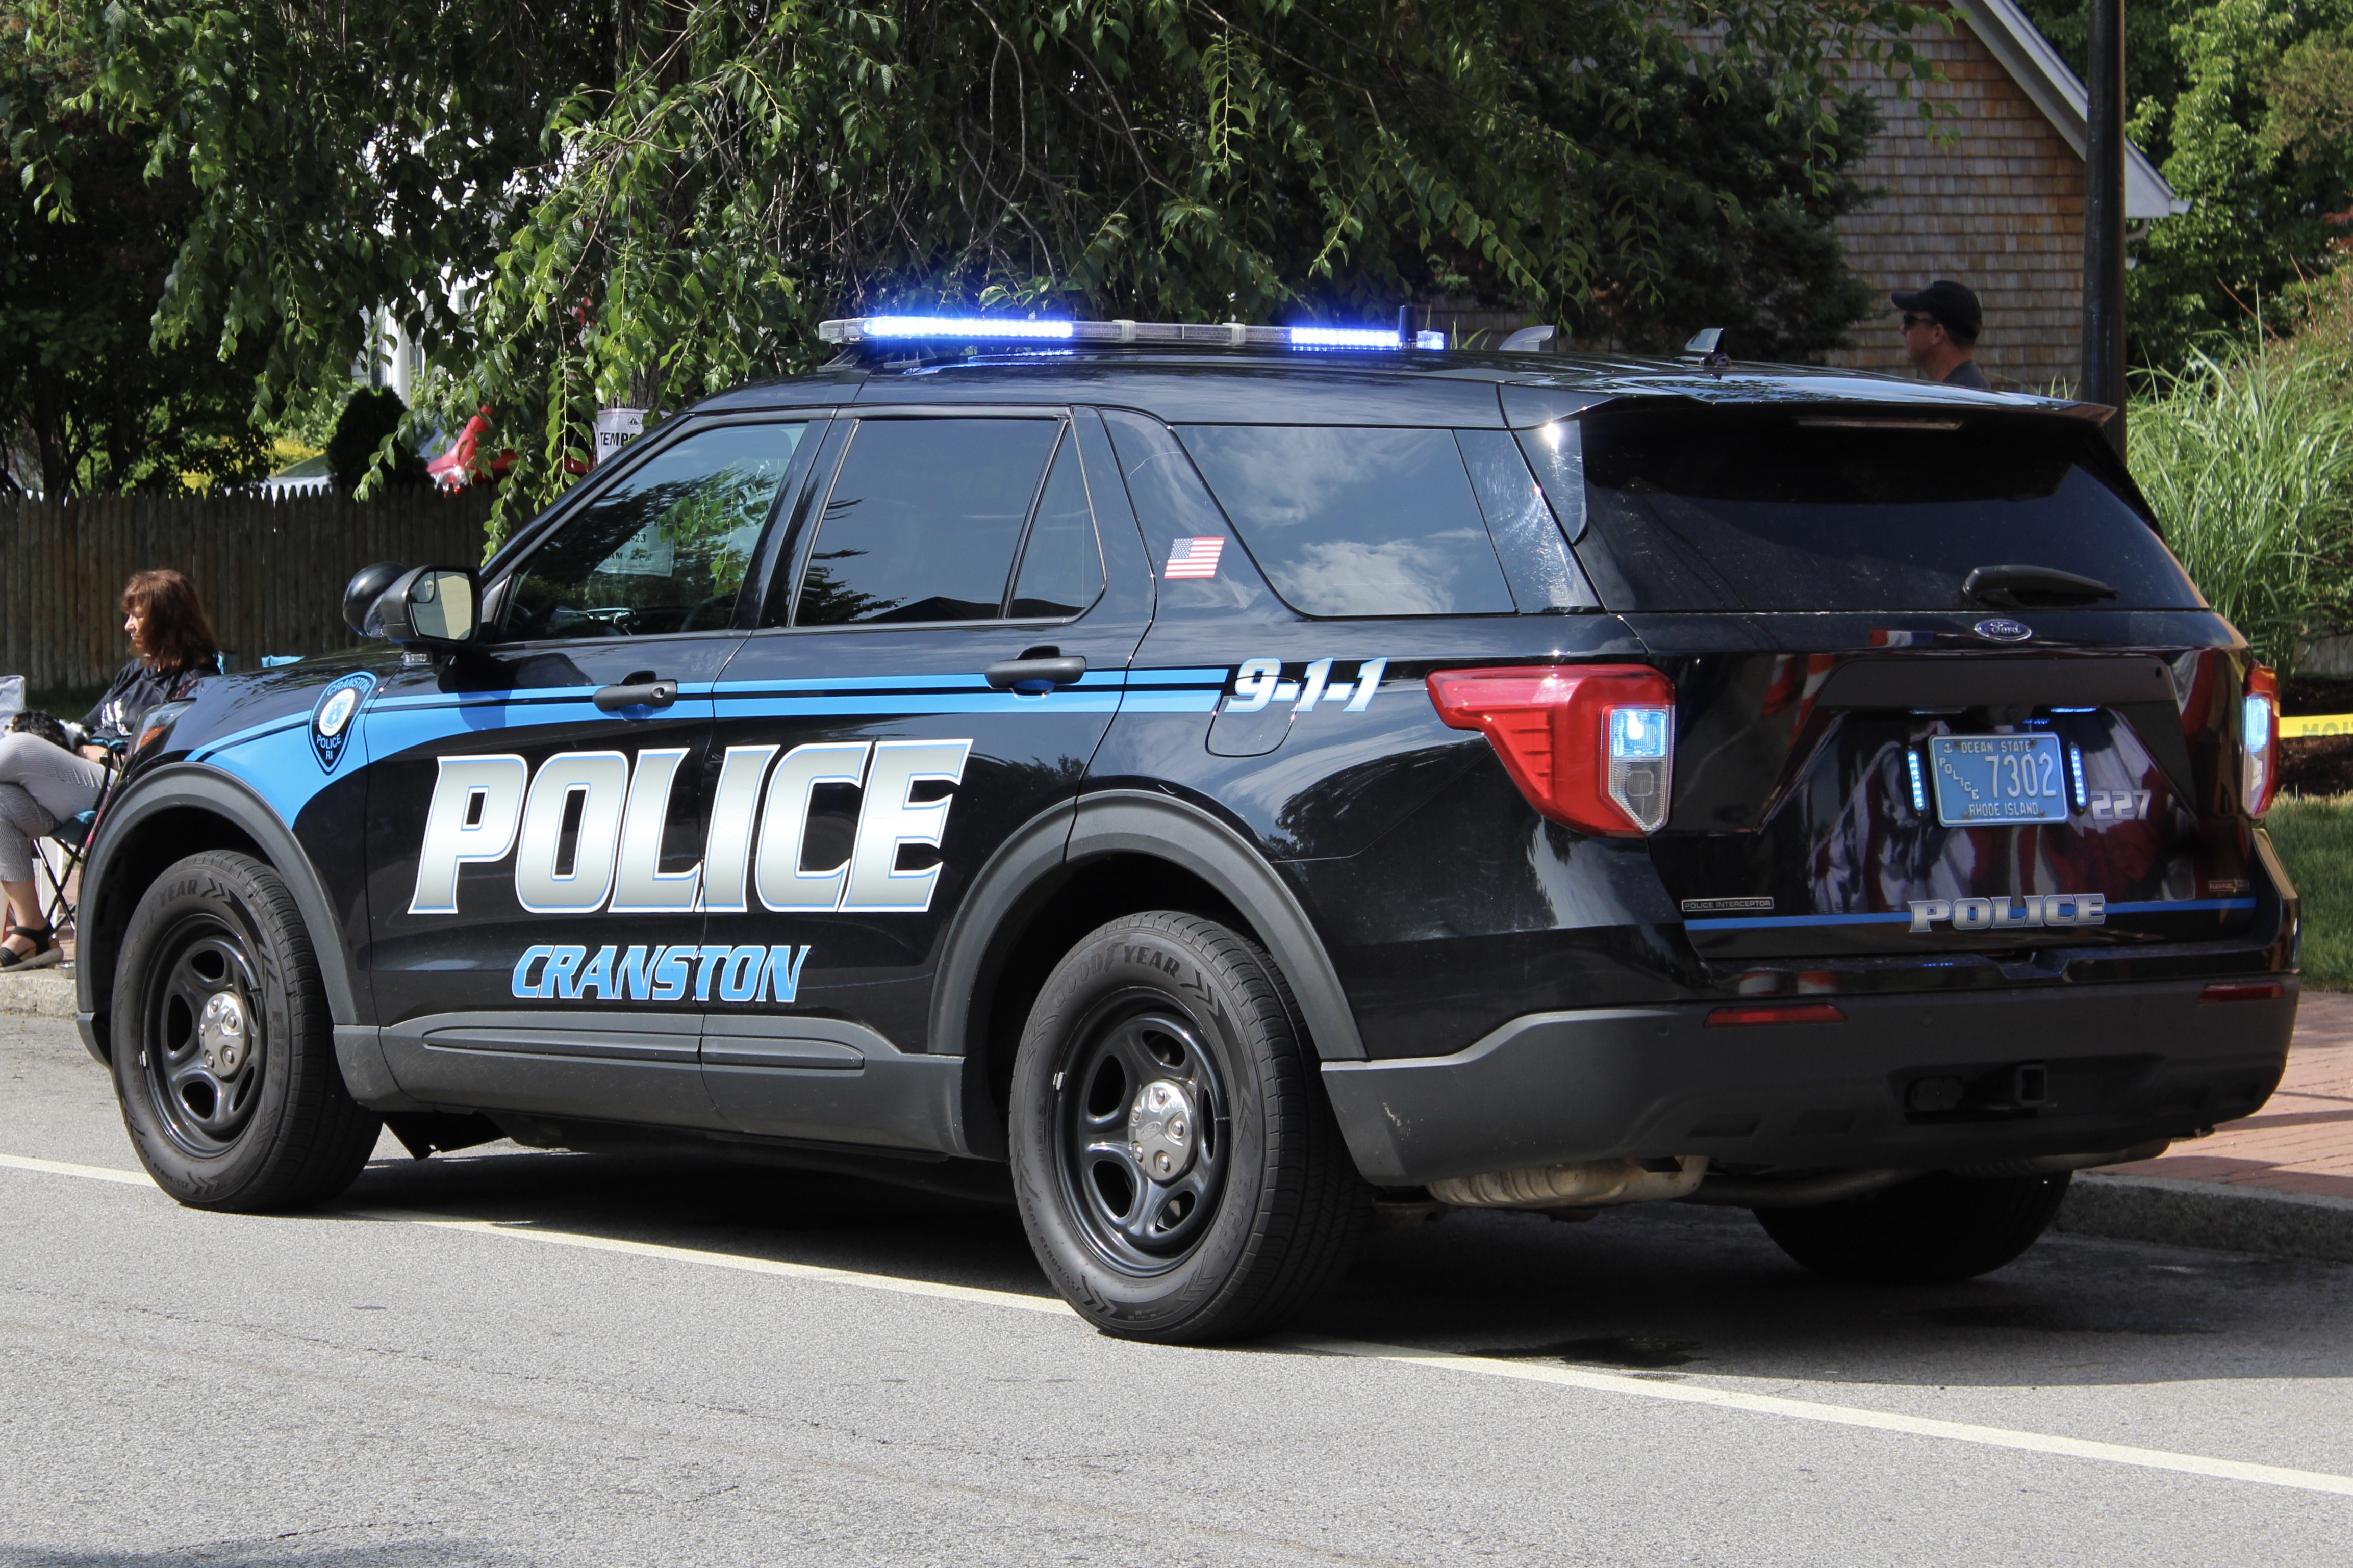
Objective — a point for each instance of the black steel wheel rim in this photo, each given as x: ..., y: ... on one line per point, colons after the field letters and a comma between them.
x: 201, y: 1041
x: 1137, y: 1062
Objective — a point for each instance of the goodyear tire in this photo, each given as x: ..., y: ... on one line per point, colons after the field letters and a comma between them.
x: 1177, y: 1170
x: 223, y: 1050
x: 1937, y: 1230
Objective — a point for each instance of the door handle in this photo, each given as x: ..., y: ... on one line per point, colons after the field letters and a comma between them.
x: 641, y: 691
x: 1035, y: 677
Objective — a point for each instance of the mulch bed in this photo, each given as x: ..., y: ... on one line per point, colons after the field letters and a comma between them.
x: 2320, y: 766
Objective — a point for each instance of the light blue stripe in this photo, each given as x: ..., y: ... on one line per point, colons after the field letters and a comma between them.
x: 1216, y: 677
x: 1764, y: 923
x: 1171, y: 702
x: 878, y: 705
x: 252, y: 733
x: 731, y: 688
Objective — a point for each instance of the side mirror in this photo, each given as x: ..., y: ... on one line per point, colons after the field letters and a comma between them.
x: 366, y: 587
x: 430, y: 604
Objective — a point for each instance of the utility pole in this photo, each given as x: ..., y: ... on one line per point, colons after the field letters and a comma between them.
x: 2103, y: 215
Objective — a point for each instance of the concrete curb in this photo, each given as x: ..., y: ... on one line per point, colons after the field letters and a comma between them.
x: 2212, y: 1215
x: 38, y: 994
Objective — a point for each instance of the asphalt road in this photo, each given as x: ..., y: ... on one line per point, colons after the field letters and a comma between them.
x: 510, y: 1357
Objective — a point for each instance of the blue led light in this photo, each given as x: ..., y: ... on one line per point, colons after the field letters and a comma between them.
x: 1429, y: 340
x: 2074, y: 711
x: 2075, y: 766
x: 1919, y: 785
x: 960, y: 327
x: 2256, y: 722
x: 1638, y: 734
x: 1343, y: 338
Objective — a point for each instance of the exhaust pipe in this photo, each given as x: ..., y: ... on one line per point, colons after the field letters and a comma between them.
x: 1796, y: 1192
x: 1588, y: 1183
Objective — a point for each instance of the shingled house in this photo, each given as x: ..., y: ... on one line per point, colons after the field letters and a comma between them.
x: 2000, y: 207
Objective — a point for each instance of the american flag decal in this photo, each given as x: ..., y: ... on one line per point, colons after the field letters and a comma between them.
x: 1193, y: 558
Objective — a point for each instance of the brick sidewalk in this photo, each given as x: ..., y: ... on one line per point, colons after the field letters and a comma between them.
x: 2302, y: 1140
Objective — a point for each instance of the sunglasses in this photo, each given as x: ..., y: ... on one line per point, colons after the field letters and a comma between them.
x: 1911, y: 320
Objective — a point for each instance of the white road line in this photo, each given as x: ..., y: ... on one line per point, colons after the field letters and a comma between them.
x: 1481, y: 1366
x: 1839, y: 1415
x: 87, y: 1172
x: 720, y: 1260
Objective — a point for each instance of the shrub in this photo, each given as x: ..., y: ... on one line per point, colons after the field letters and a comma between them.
x: 371, y: 415
x: 2249, y: 464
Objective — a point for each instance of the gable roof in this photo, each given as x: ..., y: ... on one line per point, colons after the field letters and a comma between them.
x: 2056, y: 91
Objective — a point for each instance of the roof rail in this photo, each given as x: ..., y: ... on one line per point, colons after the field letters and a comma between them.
x: 1191, y: 334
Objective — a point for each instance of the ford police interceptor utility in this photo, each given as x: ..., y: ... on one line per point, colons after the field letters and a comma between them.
x: 1236, y: 776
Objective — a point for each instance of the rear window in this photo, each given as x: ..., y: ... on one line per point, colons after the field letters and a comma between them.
x: 1356, y: 521
x: 1729, y: 510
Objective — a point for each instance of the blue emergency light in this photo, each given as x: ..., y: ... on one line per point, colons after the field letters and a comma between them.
x: 1184, y: 334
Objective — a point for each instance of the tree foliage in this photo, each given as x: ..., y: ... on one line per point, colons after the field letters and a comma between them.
x: 1743, y: 240
x: 2244, y: 104
x: 87, y: 403
x: 643, y: 200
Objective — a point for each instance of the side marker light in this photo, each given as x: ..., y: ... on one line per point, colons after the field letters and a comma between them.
x: 2242, y: 991
x: 1807, y: 1013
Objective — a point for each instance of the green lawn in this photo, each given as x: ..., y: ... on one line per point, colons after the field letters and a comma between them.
x: 2314, y: 837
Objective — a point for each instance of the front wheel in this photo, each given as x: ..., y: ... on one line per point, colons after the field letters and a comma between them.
x: 1935, y: 1230
x: 1177, y: 1170
x: 223, y: 1049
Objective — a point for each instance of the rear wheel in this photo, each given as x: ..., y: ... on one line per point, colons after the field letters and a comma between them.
x: 1935, y: 1230
x: 223, y: 1049
x: 1177, y: 1170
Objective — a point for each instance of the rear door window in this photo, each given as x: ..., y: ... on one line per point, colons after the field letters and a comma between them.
x: 1356, y: 521
x: 924, y: 520
x: 1774, y: 510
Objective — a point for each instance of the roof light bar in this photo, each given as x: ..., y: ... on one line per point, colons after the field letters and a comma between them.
x: 1343, y: 338
x: 959, y: 327
x: 1228, y: 334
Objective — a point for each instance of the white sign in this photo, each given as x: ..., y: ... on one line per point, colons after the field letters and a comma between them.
x: 615, y: 428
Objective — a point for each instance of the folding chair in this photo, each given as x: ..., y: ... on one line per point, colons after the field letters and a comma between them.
x: 62, y: 852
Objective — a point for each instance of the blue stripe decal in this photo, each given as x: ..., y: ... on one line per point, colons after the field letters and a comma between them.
x: 280, y: 767
x: 1763, y: 922
x: 856, y: 683
x: 979, y: 702
x: 1769, y: 922
x: 1171, y: 702
x: 1216, y: 677
x: 204, y: 750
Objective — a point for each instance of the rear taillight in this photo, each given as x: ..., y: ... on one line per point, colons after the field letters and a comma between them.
x: 2258, y: 738
x: 1591, y: 745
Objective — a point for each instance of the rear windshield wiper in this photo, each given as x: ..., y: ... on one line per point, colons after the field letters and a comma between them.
x: 2031, y: 587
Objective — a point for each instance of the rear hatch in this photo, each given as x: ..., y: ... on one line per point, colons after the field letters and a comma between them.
x: 1940, y: 685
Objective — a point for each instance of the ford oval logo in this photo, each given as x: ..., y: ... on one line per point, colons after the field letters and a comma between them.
x: 2000, y: 629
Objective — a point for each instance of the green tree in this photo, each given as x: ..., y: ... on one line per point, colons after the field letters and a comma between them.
x: 87, y: 403
x: 2242, y: 105
x: 1748, y: 244
x: 624, y: 201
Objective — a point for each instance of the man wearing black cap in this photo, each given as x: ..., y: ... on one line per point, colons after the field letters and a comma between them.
x: 1940, y: 332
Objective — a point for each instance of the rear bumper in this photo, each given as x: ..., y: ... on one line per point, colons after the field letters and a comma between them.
x: 2124, y: 1064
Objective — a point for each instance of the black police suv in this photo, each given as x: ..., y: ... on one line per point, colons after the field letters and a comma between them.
x: 1238, y: 777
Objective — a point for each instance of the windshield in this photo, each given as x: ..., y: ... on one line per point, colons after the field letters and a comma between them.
x: 1826, y: 509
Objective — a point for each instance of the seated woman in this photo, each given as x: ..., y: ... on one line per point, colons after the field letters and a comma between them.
x: 41, y: 784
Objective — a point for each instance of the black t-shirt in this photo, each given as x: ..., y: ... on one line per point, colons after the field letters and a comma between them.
x: 1966, y: 373
x: 136, y: 688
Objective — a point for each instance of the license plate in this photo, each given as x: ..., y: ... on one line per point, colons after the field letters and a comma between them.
x: 1998, y: 779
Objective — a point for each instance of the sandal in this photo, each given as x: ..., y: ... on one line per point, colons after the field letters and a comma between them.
x: 46, y: 950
